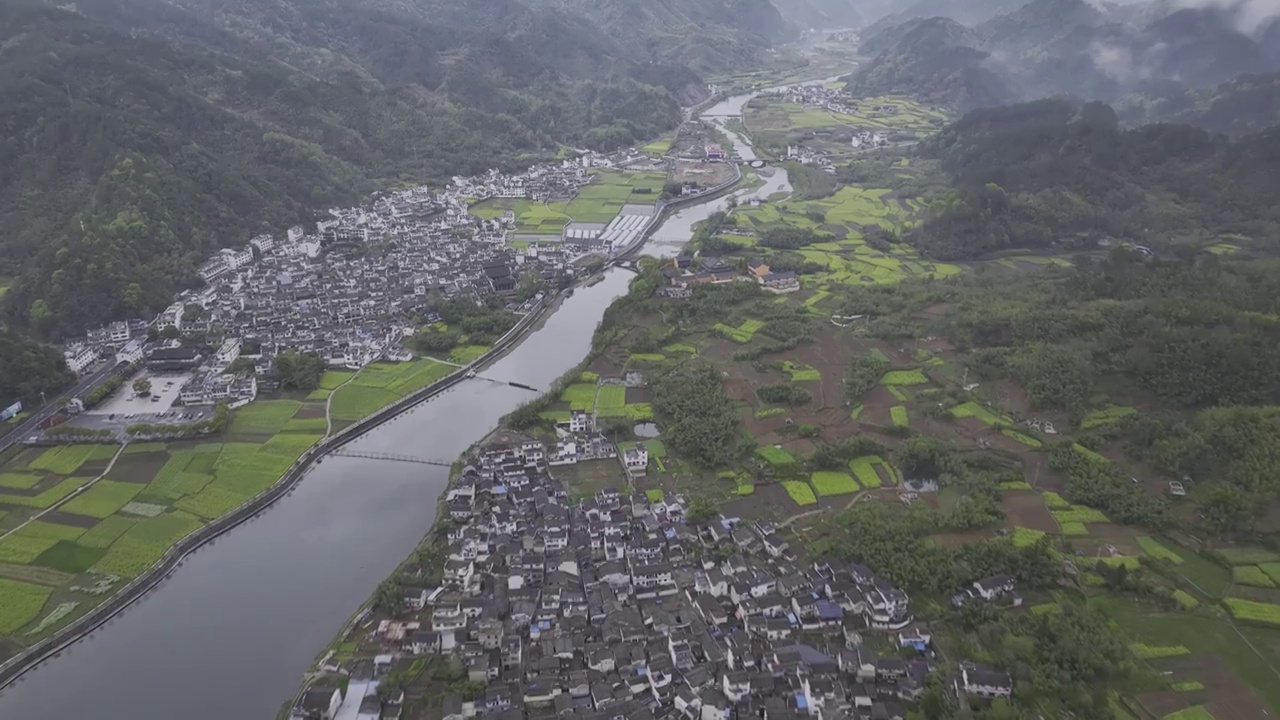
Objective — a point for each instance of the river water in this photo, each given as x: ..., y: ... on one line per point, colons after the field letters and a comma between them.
x: 229, y: 635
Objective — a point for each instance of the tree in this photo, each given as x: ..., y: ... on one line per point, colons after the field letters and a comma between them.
x: 299, y: 371
x: 169, y: 332
x: 701, y: 510
x: 388, y: 599
x: 1227, y: 509
x: 142, y: 387
x: 863, y: 373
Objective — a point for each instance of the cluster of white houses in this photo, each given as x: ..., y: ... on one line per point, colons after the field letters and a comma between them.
x: 615, y: 606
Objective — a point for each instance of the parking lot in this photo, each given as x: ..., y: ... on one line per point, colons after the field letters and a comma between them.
x: 164, y: 396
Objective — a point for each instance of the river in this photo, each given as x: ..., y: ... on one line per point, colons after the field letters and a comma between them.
x: 229, y: 635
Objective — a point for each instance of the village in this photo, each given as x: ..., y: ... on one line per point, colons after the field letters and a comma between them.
x: 627, y: 604
x: 351, y: 288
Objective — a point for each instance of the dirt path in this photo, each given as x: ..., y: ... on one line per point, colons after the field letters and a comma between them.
x: 328, y: 405
x: 66, y: 499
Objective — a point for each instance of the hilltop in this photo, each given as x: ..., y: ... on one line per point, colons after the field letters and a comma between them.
x: 144, y: 135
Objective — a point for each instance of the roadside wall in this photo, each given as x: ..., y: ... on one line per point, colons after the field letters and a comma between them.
x: 126, y: 596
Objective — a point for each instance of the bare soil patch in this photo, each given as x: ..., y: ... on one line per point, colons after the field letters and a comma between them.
x: 71, y: 519
x: 1026, y: 508
x: 639, y: 395
x: 139, y: 468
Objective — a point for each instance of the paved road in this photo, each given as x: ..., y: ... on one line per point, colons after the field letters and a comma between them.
x: 33, y: 421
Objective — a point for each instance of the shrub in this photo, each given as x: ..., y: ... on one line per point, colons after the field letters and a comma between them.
x: 1026, y: 537
x: 783, y: 394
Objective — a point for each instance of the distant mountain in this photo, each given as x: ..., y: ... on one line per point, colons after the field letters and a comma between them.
x: 1051, y: 173
x: 937, y: 61
x: 1071, y: 47
x: 820, y: 14
x: 1244, y: 105
x: 142, y: 135
x: 965, y: 12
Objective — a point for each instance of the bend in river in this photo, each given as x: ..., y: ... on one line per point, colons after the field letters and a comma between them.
x: 230, y: 634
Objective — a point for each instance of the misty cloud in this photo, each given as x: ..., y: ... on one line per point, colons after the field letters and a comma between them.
x: 1250, y: 15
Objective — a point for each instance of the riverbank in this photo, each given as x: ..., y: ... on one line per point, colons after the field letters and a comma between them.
x: 31, y: 657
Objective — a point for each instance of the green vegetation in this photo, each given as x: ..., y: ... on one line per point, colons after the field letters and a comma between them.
x: 1247, y: 556
x: 380, y: 384
x: 904, y: 377
x: 20, y: 603
x: 972, y: 409
x: 1022, y: 438
x: 1026, y: 537
x: 1253, y: 611
x: 698, y: 419
x: 1106, y: 416
x: 580, y: 396
x: 741, y: 334
x: 1251, y: 575
x: 102, y: 500
x: 776, y: 457
x: 898, y: 414
x: 146, y: 542
x: 64, y: 459
x: 864, y: 469
x: 611, y: 401
x: 1155, y: 652
x: 106, y: 532
x: 1154, y: 549
x: 827, y: 483
x: 1196, y: 712
x: 1185, y: 600
x: 800, y: 491
x: 1186, y: 686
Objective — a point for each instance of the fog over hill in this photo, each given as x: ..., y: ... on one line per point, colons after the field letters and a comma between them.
x: 1093, y: 49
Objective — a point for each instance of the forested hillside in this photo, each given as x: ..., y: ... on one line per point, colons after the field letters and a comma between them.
x: 1050, y: 174
x: 27, y: 369
x: 1077, y: 48
x: 142, y: 135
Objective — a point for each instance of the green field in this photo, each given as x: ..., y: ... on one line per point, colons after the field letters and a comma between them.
x: 1106, y: 416
x: 601, y: 201
x: 264, y: 417
x: 611, y: 401
x: 533, y: 218
x: 800, y: 492
x: 104, y: 499
x: 774, y: 115
x: 152, y: 498
x: 833, y: 483
x: 64, y: 459
x: 1152, y: 548
x: 20, y: 603
x: 1247, y: 556
x: 904, y: 377
x: 898, y: 414
x: 581, y: 396
x: 972, y: 409
x: 865, y: 470
x: 746, y: 330
x: 380, y: 384
x: 1251, y: 575
x: 1026, y: 537
x: 775, y: 456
